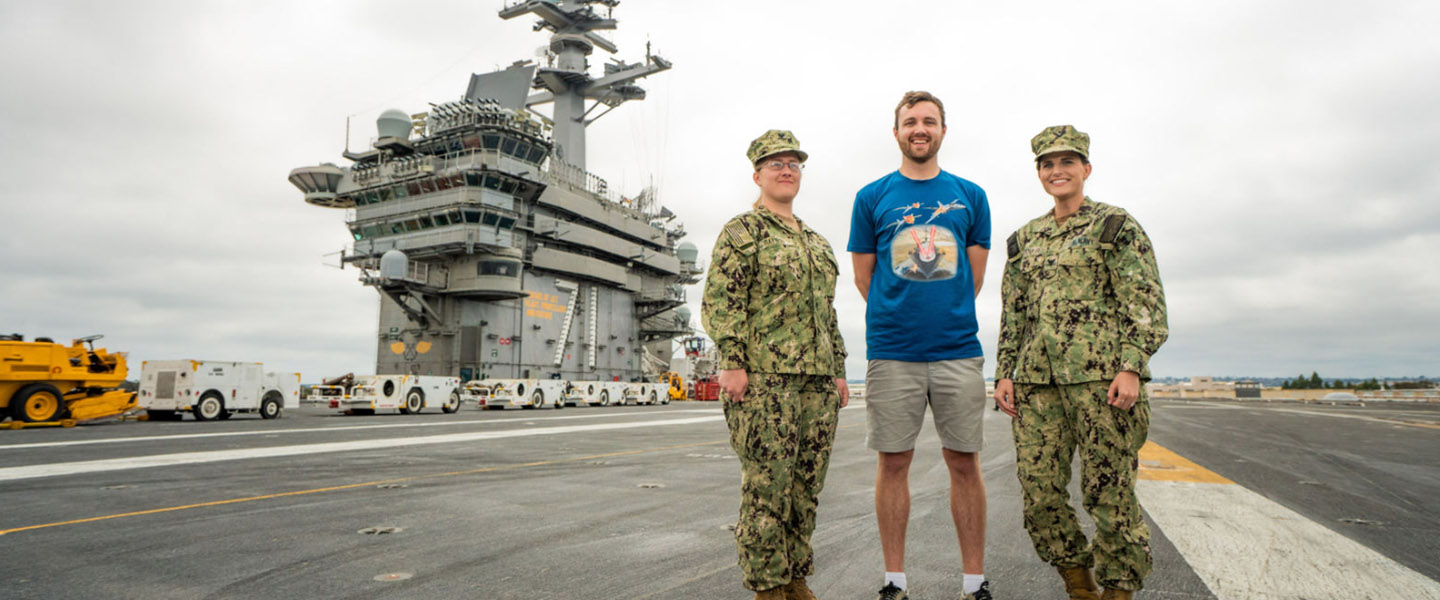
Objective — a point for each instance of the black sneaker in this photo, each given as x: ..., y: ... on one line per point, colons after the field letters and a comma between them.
x: 981, y: 594
x: 890, y: 592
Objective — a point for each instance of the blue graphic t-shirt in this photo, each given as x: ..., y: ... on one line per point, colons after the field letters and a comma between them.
x: 921, y: 303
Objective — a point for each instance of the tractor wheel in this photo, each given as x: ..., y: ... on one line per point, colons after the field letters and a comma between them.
x: 210, y: 407
x: 38, y: 403
x: 537, y: 399
x: 414, y: 401
x: 453, y: 404
x: 604, y: 397
x: 270, y: 406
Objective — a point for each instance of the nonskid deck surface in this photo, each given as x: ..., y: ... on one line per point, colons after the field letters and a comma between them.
x: 1245, y: 501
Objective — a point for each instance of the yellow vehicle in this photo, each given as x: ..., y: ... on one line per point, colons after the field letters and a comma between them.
x: 677, y: 385
x: 42, y: 382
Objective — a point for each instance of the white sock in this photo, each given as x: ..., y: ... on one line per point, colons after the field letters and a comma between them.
x: 896, y: 578
x: 972, y: 582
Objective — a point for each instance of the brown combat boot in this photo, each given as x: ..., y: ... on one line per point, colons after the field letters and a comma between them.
x: 771, y: 594
x: 1079, y: 583
x: 797, y: 590
x: 1117, y: 595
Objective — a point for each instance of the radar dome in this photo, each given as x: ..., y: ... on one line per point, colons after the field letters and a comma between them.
x: 394, y: 123
x: 393, y: 264
x: 687, y: 252
x: 682, y: 314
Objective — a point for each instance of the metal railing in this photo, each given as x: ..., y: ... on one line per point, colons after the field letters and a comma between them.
x: 581, y: 180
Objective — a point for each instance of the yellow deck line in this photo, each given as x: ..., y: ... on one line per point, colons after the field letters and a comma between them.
x: 1160, y: 464
x: 353, y: 486
x: 361, y: 485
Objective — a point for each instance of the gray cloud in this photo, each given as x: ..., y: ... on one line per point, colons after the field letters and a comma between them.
x: 1274, y: 152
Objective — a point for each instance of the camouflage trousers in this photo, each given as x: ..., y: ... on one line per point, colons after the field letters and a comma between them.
x: 782, y: 434
x: 1054, y: 421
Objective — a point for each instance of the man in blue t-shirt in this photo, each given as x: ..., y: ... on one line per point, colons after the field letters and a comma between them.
x: 919, y: 238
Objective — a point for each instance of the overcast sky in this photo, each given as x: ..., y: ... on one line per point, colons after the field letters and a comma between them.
x: 1274, y: 152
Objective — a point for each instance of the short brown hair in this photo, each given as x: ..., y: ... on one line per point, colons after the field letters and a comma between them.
x: 915, y: 97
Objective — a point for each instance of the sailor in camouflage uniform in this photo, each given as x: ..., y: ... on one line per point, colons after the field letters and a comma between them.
x: 1083, y: 311
x: 769, y: 306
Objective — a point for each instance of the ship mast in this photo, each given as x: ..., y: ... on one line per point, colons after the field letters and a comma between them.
x: 566, y: 82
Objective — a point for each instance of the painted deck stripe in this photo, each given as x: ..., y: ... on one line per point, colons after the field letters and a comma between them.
x: 187, y: 436
x: 190, y: 458
x: 1313, y: 413
x: 1247, y: 547
x: 351, y: 486
x: 1160, y: 464
x: 367, y: 484
x: 1324, y: 413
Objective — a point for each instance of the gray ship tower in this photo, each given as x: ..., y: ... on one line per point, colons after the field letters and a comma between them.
x: 496, y: 254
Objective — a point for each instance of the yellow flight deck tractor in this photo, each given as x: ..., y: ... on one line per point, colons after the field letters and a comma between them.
x: 677, y: 385
x: 44, y: 383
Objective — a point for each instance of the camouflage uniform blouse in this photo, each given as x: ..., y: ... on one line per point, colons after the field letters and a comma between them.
x: 770, y: 298
x: 1075, y: 308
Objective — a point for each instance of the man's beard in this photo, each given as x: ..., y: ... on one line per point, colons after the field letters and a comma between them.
x: 920, y: 158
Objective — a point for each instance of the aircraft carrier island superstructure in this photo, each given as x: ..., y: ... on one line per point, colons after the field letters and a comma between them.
x: 496, y: 254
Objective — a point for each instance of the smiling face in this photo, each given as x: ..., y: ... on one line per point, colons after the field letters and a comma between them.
x: 780, y: 185
x: 1063, y: 174
x: 919, y: 129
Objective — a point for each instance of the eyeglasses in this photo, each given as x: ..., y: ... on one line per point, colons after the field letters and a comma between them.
x: 777, y: 165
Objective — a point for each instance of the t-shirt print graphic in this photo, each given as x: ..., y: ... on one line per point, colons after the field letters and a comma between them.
x: 924, y: 253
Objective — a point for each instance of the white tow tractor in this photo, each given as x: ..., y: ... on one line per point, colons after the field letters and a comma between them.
x: 525, y: 393
x: 652, y: 393
x: 212, y: 390
x: 330, y: 390
x: 408, y: 394
x: 628, y: 392
x: 607, y: 393
x: 581, y: 393
x: 476, y: 391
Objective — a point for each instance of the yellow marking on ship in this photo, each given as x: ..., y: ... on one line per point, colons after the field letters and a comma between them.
x: 1160, y: 464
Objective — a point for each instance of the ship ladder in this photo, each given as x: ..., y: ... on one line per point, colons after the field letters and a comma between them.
x: 594, y: 327
x: 565, y: 329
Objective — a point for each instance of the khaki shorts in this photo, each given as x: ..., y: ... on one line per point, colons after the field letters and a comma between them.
x: 897, y: 392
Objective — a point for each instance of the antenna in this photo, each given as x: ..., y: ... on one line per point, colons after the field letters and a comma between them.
x: 565, y: 80
x: 340, y: 266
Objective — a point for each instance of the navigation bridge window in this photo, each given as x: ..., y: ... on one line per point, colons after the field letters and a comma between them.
x: 417, y: 187
x: 501, y: 268
x: 499, y: 219
x: 529, y: 149
x: 514, y: 147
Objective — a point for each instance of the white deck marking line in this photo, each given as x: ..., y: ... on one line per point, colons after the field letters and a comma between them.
x: 1247, y: 547
x: 1322, y: 414
x: 184, y: 436
x: 190, y: 458
x: 1359, y: 417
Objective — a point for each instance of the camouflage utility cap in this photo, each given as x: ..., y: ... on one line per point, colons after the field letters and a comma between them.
x: 1060, y: 138
x: 774, y: 142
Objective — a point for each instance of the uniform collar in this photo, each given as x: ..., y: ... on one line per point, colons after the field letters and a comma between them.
x: 766, y: 213
x: 1082, y: 218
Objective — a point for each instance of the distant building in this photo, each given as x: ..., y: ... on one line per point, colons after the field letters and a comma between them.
x: 1247, y: 389
x: 1199, y: 386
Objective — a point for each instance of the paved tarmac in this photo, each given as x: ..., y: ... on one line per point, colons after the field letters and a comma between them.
x: 624, y: 502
